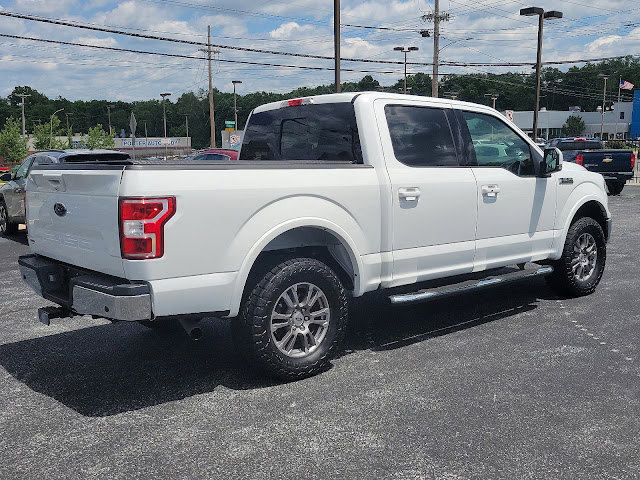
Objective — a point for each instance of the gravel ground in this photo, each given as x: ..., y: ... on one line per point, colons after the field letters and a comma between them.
x: 511, y: 383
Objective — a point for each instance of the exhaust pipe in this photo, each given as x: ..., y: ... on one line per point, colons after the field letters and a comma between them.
x: 191, y: 328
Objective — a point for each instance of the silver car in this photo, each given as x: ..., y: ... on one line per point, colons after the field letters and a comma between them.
x: 12, y: 193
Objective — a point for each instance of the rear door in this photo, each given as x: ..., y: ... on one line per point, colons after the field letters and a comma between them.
x: 516, y: 209
x: 433, y: 194
x: 72, y: 215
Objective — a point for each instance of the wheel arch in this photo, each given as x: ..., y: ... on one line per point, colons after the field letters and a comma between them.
x: 316, y: 238
x: 595, y: 210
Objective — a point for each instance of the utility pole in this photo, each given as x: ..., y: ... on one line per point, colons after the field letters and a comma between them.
x: 208, y: 51
x: 436, y: 17
x: 604, y: 99
x: 235, y: 105
x: 164, y: 116
x: 67, y: 115
x: 186, y: 122
x: 23, y: 96
x: 109, y: 116
x: 336, y: 43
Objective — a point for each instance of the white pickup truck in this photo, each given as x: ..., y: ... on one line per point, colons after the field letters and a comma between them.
x: 332, y: 196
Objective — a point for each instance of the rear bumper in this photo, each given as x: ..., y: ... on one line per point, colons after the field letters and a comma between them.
x: 618, y: 176
x: 84, y: 292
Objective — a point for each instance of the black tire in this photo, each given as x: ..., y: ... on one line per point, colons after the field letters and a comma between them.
x: 580, y: 268
x: 309, y: 304
x: 614, y: 187
x: 6, y: 226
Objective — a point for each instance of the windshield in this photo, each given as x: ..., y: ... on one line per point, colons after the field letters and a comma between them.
x: 324, y: 132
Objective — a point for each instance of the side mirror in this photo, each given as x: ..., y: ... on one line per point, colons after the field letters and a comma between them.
x: 5, y: 177
x: 552, y: 161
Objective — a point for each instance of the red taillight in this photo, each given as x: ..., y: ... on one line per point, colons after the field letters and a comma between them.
x: 633, y: 160
x: 295, y: 102
x: 580, y: 159
x: 142, y: 223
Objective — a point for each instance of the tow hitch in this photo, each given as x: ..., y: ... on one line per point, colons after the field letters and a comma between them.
x: 45, y: 314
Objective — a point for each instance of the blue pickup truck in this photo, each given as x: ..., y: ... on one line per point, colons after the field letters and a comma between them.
x: 616, y: 166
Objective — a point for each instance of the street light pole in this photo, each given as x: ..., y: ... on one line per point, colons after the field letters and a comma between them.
x: 542, y: 15
x: 235, y: 108
x: 164, y: 112
x: 336, y: 44
x: 405, y: 50
x: 604, y: 98
x: 51, y: 129
x: 494, y: 97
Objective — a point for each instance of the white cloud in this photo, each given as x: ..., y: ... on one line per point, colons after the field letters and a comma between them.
x: 43, y: 6
x: 292, y: 30
x: 98, y: 42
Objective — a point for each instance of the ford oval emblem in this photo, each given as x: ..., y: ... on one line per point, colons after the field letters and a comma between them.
x: 60, y: 210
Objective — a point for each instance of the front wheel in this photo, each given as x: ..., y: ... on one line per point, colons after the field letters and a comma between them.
x: 293, y: 320
x: 6, y: 226
x: 580, y: 268
x: 614, y: 187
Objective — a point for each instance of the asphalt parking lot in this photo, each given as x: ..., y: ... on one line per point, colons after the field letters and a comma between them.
x: 514, y: 383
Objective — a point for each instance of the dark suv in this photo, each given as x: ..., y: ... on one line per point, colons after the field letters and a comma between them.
x: 12, y: 193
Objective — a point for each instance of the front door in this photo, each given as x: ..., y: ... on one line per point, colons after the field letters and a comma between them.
x: 433, y: 204
x: 516, y: 209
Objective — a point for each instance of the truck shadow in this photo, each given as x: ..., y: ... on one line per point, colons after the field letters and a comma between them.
x: 110, y: 369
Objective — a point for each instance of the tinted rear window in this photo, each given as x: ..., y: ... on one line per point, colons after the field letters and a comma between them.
x: 420, y: 136
x: 323, y: 132
x: 94, y: 157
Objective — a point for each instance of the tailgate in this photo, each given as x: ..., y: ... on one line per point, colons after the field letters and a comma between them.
x: 72, y: 215
x: 607, y: 161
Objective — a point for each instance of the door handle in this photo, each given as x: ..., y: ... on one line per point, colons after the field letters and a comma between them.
x: 409, y: 194
x: 19, y: 190
x: 490, y: 190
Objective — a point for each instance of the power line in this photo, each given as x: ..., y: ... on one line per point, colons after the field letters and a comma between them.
x: 189, y: 57
x: 190, y: 42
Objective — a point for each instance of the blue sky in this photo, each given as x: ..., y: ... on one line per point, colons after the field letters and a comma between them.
x: 489, y: 31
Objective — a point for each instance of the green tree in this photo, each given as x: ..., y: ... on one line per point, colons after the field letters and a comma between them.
x: 573, y: 127
x: 98, y: 138
x: 46, y: 134
x: 13, y: 147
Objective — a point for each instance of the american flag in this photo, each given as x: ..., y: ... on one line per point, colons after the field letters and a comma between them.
x: 624, y: 85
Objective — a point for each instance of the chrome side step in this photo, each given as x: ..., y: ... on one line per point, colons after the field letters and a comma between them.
x: 468, y: 286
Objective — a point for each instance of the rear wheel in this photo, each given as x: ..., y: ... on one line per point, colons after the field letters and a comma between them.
x: 614, y: 187
x: 580, y: 268
x: 293, y: 320
x: 6, y: 226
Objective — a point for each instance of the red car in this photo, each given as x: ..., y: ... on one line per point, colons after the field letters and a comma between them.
x: 3, y: 169
x: 217, y: 154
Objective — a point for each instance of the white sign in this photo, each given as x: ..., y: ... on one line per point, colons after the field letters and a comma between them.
x: 509, y: 114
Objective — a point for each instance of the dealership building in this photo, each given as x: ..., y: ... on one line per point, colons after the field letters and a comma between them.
x: 621, y: 122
